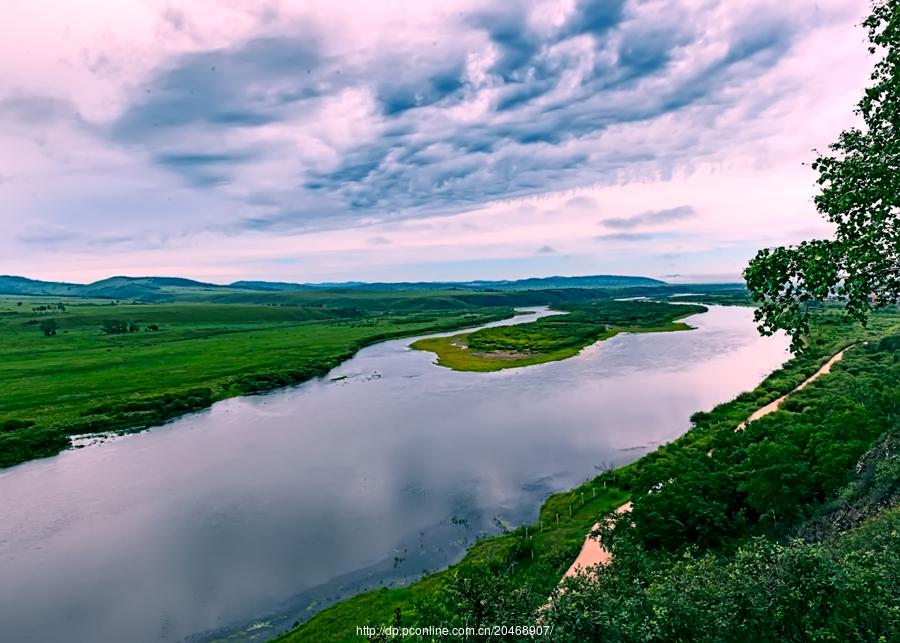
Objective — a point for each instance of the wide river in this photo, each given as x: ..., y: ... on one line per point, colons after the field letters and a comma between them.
x: 253, y: 514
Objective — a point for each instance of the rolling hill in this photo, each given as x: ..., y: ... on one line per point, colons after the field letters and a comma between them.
x: 155, y: 289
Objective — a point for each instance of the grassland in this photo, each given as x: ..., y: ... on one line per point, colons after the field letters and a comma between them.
x: 179, y: 358
x: 554, y: 338
x: 519, y: 569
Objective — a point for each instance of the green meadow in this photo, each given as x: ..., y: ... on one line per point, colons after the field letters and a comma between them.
x: 104, y: 366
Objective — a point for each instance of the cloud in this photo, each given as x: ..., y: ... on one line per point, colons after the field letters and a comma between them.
x: 278, y: 122
x: 629, y: 237
x: 650, y: 217
x: 240, y: 86
x: 546, y: 250
x: 582, y: 202
x: 443, y: 134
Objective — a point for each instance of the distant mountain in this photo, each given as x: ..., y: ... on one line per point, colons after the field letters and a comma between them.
x: 591, y: 281
x: 138, y: 288
x: 535, y: 283
x: 10, y: 285
x: 275, y: 286
x: 151, y: 289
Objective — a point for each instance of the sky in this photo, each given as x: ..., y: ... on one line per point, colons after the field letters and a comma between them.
x: 396, y: 141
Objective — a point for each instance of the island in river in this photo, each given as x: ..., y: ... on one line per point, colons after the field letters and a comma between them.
x: 555, y: 337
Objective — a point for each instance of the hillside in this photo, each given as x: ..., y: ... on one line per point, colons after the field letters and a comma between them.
x: 159, y: 289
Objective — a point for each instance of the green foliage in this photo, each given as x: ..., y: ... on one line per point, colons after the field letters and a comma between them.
x: 844, y: 590
x: 860, y: 195
x: 49, y: 327
x: 118, y: 327
x: 8, y: 426
x: 714, y: 484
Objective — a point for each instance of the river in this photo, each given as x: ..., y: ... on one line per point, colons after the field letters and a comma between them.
x: 248, y: 516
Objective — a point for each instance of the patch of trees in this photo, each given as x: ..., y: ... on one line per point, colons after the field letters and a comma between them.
x: 859, y: 196
x: 842, y: 590
x: 49, y: 327
x: 775, y: 473
x: 48, y: 308
x: 266, y: 381
x: 118, y: 327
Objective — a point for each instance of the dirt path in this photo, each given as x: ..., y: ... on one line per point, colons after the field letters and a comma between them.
x: 774, y: 406
x: 592, y: 552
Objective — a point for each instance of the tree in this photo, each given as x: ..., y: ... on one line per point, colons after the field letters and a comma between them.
x: 118, y: 327
x: 49, y: 327
x: 860, y: 195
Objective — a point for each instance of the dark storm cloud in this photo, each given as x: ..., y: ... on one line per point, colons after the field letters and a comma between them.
x: 650, y: 217
x: 539, y: 132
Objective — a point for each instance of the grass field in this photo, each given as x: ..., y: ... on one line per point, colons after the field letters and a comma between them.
x: 554, y: 338
x: 81, y: 380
